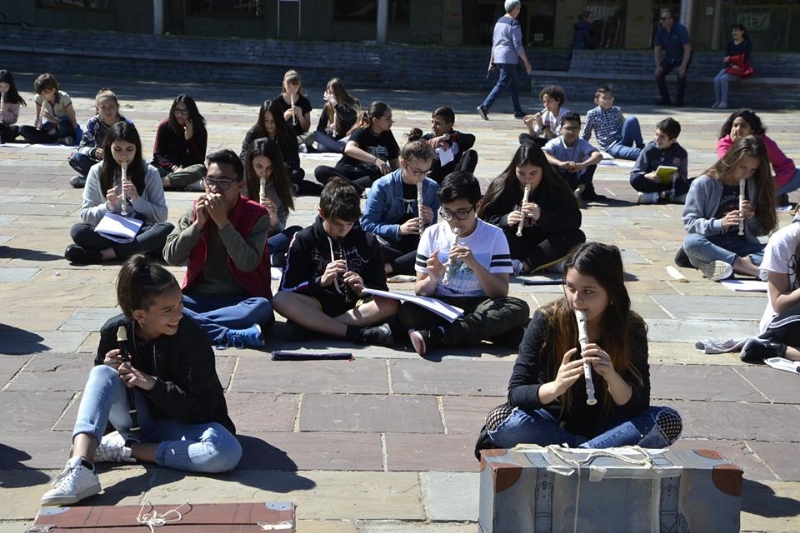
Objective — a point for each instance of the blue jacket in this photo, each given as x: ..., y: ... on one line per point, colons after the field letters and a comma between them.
x: 385, y: 207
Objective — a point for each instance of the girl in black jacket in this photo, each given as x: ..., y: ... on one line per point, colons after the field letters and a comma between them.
x: 550, y: 218
x: 156, y: 382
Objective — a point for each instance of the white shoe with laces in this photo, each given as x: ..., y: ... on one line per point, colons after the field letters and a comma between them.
x: 73, y: 484
x: 646, y: 198
x: 716, y: 270
x: 112, y: 449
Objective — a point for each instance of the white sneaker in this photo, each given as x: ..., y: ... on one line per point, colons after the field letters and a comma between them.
x: 648, y: 198
x: 72, y: 485
x: 716, y: 270
x: 517, y: 266
x: 112, y: 449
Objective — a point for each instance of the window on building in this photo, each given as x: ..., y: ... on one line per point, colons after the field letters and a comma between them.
x: 99, y: 5
x: 226, y: 8
x: 769, y: 23
x: 367, y: 11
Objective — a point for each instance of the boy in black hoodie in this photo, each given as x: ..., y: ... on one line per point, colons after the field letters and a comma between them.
x: 328, y: 266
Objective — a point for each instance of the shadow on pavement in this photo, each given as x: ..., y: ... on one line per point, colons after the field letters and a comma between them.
x: 11, y: 459
x: 761, y: 500
x: 9, y: 252
x: 15, y: 341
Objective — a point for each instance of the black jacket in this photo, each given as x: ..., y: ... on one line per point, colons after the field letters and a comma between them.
x: 188, y: 388
x: 310, y: 253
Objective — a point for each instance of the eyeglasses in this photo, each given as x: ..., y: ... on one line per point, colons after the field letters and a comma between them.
x: 181, y: 111
x: 222, y: 185
x: 459, y: 214
x: 417, y: 172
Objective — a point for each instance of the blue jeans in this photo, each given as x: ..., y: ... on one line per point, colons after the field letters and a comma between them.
x: 701, y: 249
x: 217, y: 314
x: 631, y: 144
x: 507, y: 79
x: 207, y: 447
x: 791, y: 185
x: 541, y: 427
x: 721, y: 81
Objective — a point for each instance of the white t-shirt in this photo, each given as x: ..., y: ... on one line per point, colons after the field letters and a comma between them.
x: 488, y: 245
x: 781, y: 255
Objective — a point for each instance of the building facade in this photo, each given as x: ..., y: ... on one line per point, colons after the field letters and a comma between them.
x: 626, y: 24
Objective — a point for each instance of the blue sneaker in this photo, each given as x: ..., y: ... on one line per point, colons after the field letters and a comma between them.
x: 244, y: 338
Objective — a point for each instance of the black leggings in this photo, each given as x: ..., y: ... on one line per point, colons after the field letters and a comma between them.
x: 361, y: 176
x: 150, y: 240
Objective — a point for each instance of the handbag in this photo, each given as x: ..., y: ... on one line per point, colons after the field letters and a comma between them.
x: 745, y: 70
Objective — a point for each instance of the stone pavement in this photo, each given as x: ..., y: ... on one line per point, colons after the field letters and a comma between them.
x: 383, y: 443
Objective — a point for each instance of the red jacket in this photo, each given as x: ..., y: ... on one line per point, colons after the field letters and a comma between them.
x: 243, y: 217
x: 783, y: 167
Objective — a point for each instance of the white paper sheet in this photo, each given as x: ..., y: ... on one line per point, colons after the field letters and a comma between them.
x: 118, y: 228
x: 445, y: 156
x: 745, y: 285
x: 784, y: 364
x: 446, y: 311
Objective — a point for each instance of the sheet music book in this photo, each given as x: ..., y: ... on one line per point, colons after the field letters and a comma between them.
x: 118, y: 228
x: 444, y: 310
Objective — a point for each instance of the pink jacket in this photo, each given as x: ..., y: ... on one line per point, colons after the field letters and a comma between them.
x: 783, y: 167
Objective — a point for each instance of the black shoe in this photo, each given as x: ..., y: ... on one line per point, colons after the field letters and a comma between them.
x: 424, y: 339
x: 679, y: 103
x: 484, y: 112
x: 520, y: 115
x: 484, y: 443
x: 681, y: 259
x: 377, y: 335
x: 81, y: 256
x: 755, y: 350
x: 783, y: 200
x: 664, y: 103
x: 79, y: 182
x: 592, y: 196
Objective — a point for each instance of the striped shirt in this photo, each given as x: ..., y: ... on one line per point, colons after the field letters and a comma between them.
x: 487, y: 243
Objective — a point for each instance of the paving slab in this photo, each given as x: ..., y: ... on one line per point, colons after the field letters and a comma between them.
x: 89, y: 318
x: 16, y: 275
x: 31, y: 410
x: 739, y: 421
x: 263, y: 411
x: 302, y: 451
x: 10, y: 365
x: 777, y: 386
x: 738, y: 452
x: 39, y: 449
x: 53, y: 371
x: 450, y: 377
x: 710, y: 307
x: 318, y: 495
x: 450, y: 495
x: 24, y: 342
x: 263, y: 375
x: 409, y: 452
x: 774, y: 454
x: 691, y: 330
x: 467, y: 414
x: 672, y: 382
x: 370, y: 413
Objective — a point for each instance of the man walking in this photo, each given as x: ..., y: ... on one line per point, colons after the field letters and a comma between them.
x: 507, y: 49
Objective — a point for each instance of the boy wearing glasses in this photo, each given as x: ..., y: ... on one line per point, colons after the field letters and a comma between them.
x: 393, y: 212
x: 574, y: 158
x: 223, y: 239
x: 470, y: 272
x: 618, y: 136
x: 328, y: 266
